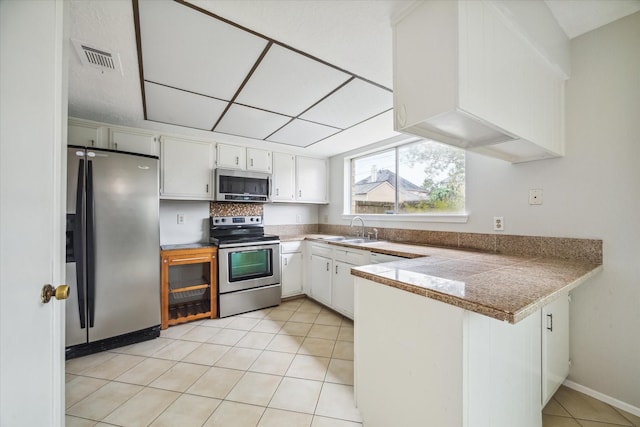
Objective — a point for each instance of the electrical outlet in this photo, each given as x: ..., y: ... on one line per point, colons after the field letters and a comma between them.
x: 498, y: 223
x: 535, y: 196
x: 180, y: 218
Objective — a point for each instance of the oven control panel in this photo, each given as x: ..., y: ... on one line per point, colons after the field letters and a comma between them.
x: 237, y: 220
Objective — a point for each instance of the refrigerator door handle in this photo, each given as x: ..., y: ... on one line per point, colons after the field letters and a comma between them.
x: 91, y: 254
x: 78, y: 230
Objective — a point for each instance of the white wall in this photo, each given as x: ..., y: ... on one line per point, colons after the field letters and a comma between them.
x: 195, y: 227
x: 290, y: 213
x: 593, y: 192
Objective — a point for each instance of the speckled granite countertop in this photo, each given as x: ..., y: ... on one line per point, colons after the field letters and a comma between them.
x: 505, y: 287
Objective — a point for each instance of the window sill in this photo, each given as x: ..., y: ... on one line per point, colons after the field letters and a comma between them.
x: 446, y: 218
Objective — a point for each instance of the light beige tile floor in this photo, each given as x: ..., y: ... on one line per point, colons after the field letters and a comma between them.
x: 287, y: 366
x: 570, y: 408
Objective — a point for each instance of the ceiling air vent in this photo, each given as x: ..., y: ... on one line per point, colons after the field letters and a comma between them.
x: 98, y: 58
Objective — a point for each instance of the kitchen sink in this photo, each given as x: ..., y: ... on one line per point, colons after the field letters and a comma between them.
x: 351, y: 240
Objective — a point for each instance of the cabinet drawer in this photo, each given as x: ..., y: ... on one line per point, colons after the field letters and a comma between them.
x: 351, y: 256
x: 289, y: 247
x: 322, y: 250
x: 190, y: 259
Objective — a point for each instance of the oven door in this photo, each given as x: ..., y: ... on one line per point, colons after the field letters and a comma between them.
x: 245, y: 267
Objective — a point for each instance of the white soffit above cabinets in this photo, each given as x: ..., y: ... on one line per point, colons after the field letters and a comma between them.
x: 202, y: 71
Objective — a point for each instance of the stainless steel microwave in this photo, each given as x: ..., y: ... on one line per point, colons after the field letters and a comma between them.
x: 242, y: 186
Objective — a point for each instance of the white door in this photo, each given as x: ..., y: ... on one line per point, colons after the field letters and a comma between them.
x: 32, y: 118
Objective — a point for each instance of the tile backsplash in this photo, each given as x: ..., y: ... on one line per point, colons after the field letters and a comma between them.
x: 235, y: 209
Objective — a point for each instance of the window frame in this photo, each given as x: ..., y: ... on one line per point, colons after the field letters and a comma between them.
x: 347, y: 214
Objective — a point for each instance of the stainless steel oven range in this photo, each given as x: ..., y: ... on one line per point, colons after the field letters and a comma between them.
x: 248, y: 264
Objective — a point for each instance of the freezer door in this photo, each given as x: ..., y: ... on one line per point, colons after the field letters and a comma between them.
x: 123, y: 204
x: 76, y: 331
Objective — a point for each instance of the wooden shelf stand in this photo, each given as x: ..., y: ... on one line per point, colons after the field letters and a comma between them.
x: 189, y: 285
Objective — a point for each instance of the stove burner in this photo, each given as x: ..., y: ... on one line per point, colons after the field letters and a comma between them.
x: 238, y: 231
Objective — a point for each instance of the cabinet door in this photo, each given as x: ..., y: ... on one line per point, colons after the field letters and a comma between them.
x: 291, y: 274
x: 311, y: 180
x: 133, y: 142
x: 84, y: 135
x: 186, y: 169
x: 555, y: 346
x: 231, y: 156
x: 283, y: 178
x: 321, y: 278
x: 259, y: 160
x: 342, y: 289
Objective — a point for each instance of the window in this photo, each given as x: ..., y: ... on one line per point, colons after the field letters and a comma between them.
x: 423, y: 177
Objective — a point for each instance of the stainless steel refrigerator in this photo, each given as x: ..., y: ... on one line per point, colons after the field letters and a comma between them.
x: 113, y: 250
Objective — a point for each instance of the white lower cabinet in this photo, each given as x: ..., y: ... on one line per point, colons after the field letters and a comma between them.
x: 555, y: 346
x: 342, y: 286
x: 429, y: 363
x: 321, y: 278
x: 291, y: 268
x: 329, y: 275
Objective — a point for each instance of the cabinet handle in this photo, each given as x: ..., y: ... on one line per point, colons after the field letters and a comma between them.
x: 285, y: 262
x: 213, y: 256
x: 251, y: 162
x: 207, y: 188
x: 93, y: 142
x: 237, y: 160
x: 277, y: 191
x: 299, y: 193
x: 165, y: 261
x: 336, y: 269
x: 327, y: 266
x: 550, y: 322
x: 115, y: 145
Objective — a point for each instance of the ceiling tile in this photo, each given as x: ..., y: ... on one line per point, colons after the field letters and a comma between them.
x: 168, y: 105
x: 250, y: 122
x: 350, y: 105
x: 190, y: 50
x: 302, y: 133
x: 287, y: 82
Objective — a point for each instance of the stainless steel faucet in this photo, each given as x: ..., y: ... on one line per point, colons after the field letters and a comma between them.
x: 361, y: 220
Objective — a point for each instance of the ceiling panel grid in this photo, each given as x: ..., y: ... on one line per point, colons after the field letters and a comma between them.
x: 202, y: 71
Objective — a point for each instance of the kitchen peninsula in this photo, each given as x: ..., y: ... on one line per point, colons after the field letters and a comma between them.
x: 462, y: 338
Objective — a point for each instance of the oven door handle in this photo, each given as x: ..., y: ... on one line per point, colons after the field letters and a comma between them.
x: 243, y: 245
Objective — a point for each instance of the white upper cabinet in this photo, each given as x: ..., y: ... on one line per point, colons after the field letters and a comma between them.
x: 236, y: 157
x: 466, y: 75
x: 85, y: 134
x: 186, y: 169
x: 284, y: 172
x: 312, y: 180
x: 300, y: 179
x: 231, y: 157
x: 133, y: 141
x: 259, y: 160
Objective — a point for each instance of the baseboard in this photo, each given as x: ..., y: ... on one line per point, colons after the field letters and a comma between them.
x: 603, y: 397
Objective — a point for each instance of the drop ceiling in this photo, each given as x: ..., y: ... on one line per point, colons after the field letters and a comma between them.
x: 236, y: 81
x: 351, y: 40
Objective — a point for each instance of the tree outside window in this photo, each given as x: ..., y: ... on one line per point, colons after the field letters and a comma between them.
x: 423, y: 177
